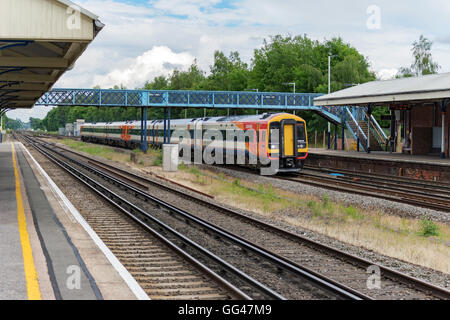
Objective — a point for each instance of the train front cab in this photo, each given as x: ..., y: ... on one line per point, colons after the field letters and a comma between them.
x: 288, y: 143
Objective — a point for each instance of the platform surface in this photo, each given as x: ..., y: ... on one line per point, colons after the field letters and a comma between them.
x: 384, y: 156
x: 38, y: 242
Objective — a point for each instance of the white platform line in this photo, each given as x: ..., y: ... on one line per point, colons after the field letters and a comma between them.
x: 123, y: 272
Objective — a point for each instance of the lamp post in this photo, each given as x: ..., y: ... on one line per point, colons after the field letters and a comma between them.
x: 329, y: 91
x: 290, y: 84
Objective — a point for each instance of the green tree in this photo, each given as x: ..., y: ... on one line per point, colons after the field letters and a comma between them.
x: 12, y: 124
x: 423, y: 61
x: 228, y: 73
x: 36, y: 124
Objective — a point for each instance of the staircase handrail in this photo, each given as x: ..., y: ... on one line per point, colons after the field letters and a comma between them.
x: 379, y: 127
x: 378, y: 135
x: 356, y: 123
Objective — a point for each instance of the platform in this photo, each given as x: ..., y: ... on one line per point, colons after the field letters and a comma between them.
x: 48, y: 251
x: 431, y: 168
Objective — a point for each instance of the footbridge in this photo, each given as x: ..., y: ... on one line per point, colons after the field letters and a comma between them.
x: 168, y: 99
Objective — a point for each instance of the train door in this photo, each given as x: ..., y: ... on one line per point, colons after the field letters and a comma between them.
x: 288, y: 138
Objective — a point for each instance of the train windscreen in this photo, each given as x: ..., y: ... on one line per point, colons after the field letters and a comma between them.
x: 301, y: 135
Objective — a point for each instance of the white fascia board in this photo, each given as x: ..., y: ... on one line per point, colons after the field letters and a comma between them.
x: 353, y: 101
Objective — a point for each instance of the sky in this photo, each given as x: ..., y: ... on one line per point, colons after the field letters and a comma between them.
x: 143, y: 39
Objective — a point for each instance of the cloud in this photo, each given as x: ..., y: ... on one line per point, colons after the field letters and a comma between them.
x: 196, y: 28
x: 155, y: 62
x: 387, y: 74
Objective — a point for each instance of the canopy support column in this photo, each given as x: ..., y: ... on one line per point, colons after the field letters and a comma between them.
x: 144, y: 135
x: 165, y: 126
x: 369, y: 114
x: 393, y: 131
x: 343, y: 129
x: 168, y: 130
x: 335, y: 136
x: 444, y: 110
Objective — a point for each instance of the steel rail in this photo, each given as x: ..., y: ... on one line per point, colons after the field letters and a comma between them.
x: 131, y: 211
x: 378, y: 192
x: 387, y: 272
x: 317, y: 279
x: 381, y: 177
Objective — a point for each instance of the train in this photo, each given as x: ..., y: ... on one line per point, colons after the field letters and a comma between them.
x: 268, y: 137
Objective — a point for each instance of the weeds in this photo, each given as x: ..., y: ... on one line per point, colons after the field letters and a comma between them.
x: 428, y: 229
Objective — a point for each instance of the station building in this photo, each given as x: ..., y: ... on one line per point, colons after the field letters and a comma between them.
x: 419, y: 125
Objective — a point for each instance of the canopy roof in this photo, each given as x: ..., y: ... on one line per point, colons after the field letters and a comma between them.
x: 428, y: 88
x: 39, y: 41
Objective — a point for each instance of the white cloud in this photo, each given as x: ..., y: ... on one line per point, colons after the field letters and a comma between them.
x: 25, y: 114
x: 121, y: 52
x: 387, y: 74
x: 155, y: 62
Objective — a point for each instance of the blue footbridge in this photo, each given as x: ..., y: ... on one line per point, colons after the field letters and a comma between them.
x: 356, y: 120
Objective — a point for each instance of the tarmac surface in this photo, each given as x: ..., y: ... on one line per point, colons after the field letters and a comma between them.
x: 47, y: 252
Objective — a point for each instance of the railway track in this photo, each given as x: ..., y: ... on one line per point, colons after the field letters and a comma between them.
x: 350, y: 270
x: 163, y: 271
x: 425, y: 195
x: 261, y: 273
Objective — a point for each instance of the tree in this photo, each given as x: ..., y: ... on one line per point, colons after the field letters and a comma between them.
x: 36, y: 124
x: 159, y: 83
x: 423, y: 61
x: 228, y: 73
x: 13, y: 124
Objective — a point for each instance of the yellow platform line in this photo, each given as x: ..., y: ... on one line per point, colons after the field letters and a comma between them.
x: 31, y: 275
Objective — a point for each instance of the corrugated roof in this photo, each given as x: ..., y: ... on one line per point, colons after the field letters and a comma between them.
x: 424, y: 88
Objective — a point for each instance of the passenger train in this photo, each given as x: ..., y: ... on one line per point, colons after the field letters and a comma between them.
x: 281, y: 136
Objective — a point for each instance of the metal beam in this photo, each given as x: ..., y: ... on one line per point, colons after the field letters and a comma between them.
x: 48, y: 63
x: 50, y: 46
x: 27, y: 87
x: 26, y: 77
x: 23, y: 94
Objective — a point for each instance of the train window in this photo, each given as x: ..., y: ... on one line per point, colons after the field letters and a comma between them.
x: 301, y: 135
x: 274, y: 135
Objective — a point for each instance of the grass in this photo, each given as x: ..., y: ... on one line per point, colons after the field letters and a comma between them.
x: 95, y: 150
x: 158, y: 158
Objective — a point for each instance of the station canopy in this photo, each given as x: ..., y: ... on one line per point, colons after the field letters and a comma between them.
x: 39, y: 41
x: 429, y: 88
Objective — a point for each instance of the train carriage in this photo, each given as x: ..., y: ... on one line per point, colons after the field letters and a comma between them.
x: 281, y: 136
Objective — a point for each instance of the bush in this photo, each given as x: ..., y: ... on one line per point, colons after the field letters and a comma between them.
x: 428, y: 228
x: 325, y: 200
x: 158, y: 160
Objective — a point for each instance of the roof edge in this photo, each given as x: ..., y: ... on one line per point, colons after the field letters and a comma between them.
x: 82, y: 10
